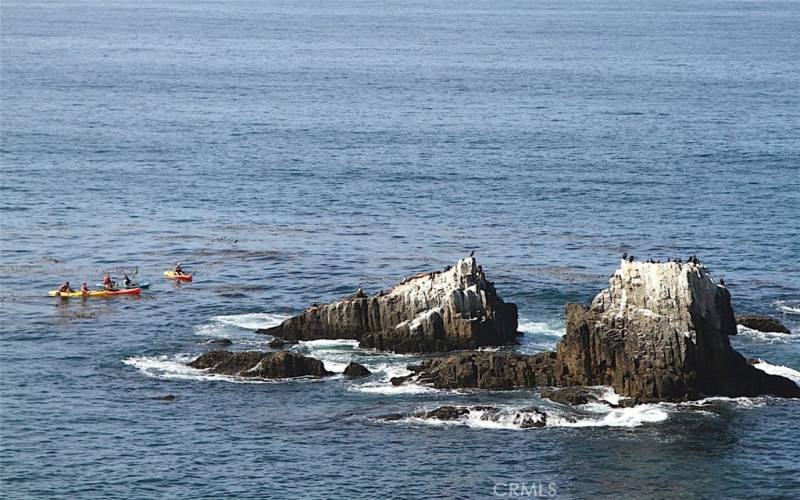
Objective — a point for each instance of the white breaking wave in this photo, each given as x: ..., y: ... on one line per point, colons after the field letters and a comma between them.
x: 742, y: 402
x: 251, y: 321
x: 783, y: 371
x: 335, y: 354
x: 768, y: 337
x: 539, y: 336
x: 541, y: 328
x: 787, y: 308
x: 240, y: 327
x: 175, y: 368
x: 386, y: 372
x: 513, y: 418
x: 607, y: 393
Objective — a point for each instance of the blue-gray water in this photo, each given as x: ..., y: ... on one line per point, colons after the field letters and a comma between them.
x: 288, y: 152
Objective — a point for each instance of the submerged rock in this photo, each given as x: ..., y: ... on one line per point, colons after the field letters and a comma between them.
x: 447, y: 412
x: 524, y: 418
x: 761, y: 323
x: 222, y: 341
x: 430, y: 312
x: 282, y: 364
x: 659, y: 332
x: 528, y: 418
x: 278, y: 343
x: 355, y: 370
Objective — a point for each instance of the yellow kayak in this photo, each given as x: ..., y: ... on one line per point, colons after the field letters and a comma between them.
x: 95, y: 293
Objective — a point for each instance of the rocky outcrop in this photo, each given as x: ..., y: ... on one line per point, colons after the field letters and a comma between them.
x: 761, y: 323
x: 659, y: 332
x: 484, y: 370
x: 256, y: 364
x: 355, y: 370
x: 457, y: 308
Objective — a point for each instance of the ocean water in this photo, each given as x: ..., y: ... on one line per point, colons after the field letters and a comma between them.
x: 289, y: 152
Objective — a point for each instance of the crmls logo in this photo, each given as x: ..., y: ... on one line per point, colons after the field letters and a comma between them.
x: 536, y: 490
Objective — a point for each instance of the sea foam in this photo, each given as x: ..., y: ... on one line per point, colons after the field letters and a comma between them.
x: 783, y: 371
x: 516, y: 418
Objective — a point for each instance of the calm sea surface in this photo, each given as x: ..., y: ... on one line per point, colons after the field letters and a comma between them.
x: 288, y: 152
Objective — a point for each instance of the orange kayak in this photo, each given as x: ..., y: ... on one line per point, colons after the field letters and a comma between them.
x: 95, y: 293
x: 180, y: 277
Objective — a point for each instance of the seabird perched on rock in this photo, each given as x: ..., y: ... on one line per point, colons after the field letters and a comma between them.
x: 472, y: 253
x: 630, y: 259
x: 722, y: 281
x: 624, y: 255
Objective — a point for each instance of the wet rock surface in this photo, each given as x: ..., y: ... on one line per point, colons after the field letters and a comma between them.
x: 457, y: 308
x: 355, y: 370
x: 761, y: 323
x: 279, y: 343
x: 256, y: 364
x: 484, y: 370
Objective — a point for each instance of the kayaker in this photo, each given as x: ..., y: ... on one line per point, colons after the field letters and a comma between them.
x: 65, y: 288
x: 178, y: 269
x: 127, y: 281
x: 85, y: 289
x: 107, y: 283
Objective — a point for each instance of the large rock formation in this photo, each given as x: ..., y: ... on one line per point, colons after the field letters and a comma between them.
x: 659, y: 332
x: 457, y: 308
x: 258, y: 364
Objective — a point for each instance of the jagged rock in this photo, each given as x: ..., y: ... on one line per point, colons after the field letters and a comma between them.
x: 658, y: 333
x: 396, y: 381
x: 355, y: 370
x: 527, y: 418
x: 485, y: 370
x: 282, y: 364
x: 219, y: 342
x: 447, y: 412
x: 430, y: 312
x: 761, y: 323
